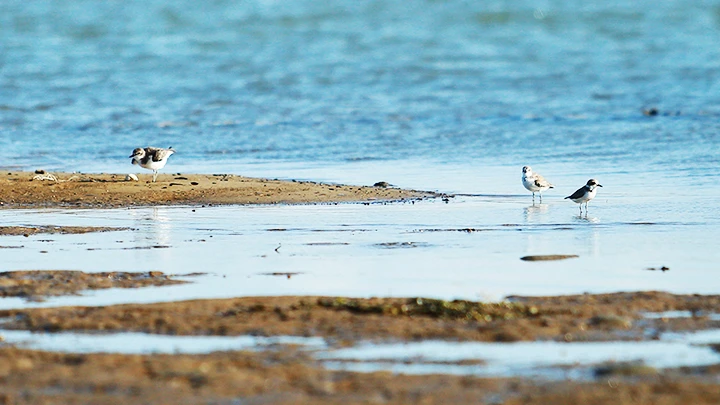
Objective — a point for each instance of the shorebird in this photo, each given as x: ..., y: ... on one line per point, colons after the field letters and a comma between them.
x: 534, y: 182
x: 151, y: 158
x: 584, y: 194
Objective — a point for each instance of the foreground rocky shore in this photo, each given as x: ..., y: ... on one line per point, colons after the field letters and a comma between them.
x: 293, y: 374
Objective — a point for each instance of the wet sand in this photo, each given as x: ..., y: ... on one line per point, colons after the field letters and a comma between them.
x: 38, y: 285
x: 28, y: 190
x: 287, y: 374
x: 566, y: 318
x: 53, y: 229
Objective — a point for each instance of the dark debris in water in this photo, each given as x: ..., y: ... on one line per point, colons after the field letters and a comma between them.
x: 327, y: 243
x: 539, y: 258
x: 663, y: 269
x: 468, y: 230
x: 631, y: 369
x: 288, y: 274
x: 53, y: 229
x: 193, y: 274
x: 650, y: 112
x: 147, y: 247
x: 401, y: 245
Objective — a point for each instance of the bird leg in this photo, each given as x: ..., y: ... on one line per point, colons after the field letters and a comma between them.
x: 155, y: 174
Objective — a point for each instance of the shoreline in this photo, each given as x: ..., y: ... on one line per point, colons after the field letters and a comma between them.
x: 41, y: 189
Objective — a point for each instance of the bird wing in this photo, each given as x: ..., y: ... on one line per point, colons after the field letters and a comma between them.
x: 158, y: 154
x: 577, y: 194
x: 541, y: 182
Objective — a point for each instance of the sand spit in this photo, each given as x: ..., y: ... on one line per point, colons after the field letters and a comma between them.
x: 27, y: 190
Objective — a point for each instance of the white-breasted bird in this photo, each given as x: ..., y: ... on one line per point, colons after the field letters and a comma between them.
x: 534, y: 182
x: 151, y: 158
x: 584, y: 194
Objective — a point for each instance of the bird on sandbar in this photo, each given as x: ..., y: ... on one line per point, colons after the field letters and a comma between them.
x: 151, y: 158
x: 584, y: 194
x: 534, y: 182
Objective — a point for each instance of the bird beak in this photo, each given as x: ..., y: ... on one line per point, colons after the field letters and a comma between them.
x: 131, y: 156
x: 599, y: 185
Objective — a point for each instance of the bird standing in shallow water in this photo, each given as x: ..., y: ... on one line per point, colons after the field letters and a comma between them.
x: 151, y: 158
x: 585, y: 194
x: 534, y: 182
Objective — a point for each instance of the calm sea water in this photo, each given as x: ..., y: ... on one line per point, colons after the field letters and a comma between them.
x: 234, y: 84
x: 450, y: 95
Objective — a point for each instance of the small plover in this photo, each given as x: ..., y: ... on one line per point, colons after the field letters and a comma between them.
x: 151, y: 158
x: 534, y: 182
x: 585, y: 193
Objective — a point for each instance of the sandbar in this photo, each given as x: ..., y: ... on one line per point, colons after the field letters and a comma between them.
x: 29, y: 190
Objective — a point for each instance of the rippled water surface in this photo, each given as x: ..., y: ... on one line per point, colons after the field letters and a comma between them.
x: 232, y: 84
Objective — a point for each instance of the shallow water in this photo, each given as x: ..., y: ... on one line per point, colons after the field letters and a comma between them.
x: 538, y: 359
x: 143, y: 343
x: 399, y: 249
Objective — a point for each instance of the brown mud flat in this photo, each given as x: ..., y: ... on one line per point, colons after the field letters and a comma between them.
x: 286, y: 375
x: 541, y: 258
x: 25, y: 189
x: 35, y: 285
x: 55, y: 229
x: 602, y: 317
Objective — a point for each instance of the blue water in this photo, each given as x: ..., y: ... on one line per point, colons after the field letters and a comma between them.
x: 232, y: 85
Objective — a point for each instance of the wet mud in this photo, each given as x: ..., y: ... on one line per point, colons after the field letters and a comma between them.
x: 286, y: 375
x: 41, y: 284
x: 25, y: 189
x: 291, y: 374
x: 55, y: 229
x: 603, y: 317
